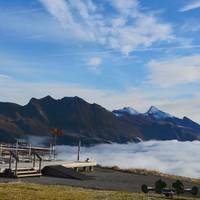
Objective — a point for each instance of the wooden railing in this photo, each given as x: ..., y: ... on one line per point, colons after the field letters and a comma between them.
x: 47, y: 152
x: 35, y: 154
x: 15, y: 156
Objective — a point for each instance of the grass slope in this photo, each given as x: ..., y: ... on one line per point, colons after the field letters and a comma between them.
x: 155, y: 173
x: 19, y: 191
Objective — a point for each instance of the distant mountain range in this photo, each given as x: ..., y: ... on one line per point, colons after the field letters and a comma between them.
x: 159, y: 125
x: 91, y: 123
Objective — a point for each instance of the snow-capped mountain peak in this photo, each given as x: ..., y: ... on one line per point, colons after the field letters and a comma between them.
x: 125, y: 110
x: 130, y: 110
x: 153, y: 110
x: 158, y: 114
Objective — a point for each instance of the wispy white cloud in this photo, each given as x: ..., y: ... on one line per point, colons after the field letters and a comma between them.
x: 59, y: 10
x: 3, y: 76
x: 191, y: 26
x: 182, y: 158
x: 181, y: 70
x: 18, y: 65
x: 191, y: 6
x: 128, y: 29
x: 94, y: 63
x: 62, y: 10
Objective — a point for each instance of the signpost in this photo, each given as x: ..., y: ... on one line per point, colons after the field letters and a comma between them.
x: 56, y: 133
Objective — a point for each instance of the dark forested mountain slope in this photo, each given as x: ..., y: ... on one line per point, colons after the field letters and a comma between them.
x: 76, y: 117
x: 89, y: 122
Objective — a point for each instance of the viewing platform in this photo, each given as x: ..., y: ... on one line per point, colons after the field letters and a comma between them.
x: 19, y: 161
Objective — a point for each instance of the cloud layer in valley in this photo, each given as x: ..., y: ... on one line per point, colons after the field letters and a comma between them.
x: 173, y: 157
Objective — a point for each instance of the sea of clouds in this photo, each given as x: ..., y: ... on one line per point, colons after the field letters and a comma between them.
x: 173, y: 157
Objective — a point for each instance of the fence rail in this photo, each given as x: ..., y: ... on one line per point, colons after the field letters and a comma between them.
x: 25, y: 152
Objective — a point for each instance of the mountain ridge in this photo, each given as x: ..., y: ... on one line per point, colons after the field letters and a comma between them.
x: 91, y: 123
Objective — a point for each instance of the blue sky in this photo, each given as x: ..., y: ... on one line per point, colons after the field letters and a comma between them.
x: 116, y: 53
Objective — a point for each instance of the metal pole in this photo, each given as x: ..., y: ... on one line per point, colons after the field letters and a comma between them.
x: 79, y: 148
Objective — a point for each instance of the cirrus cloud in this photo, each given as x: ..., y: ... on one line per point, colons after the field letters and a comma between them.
x: 125, y: 30
x: 180, y: 70
x: 94, y: 63
x: 191, y: 6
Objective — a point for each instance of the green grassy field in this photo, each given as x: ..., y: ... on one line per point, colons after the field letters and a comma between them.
x: 19, y: 191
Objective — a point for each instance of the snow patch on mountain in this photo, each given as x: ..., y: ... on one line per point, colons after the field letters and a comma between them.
x: 125, y: 110
x: 152, y: 112
x: 158, y: 114
x: 130, y: 111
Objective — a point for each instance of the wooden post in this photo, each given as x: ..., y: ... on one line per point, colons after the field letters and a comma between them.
x: 50, y: 148
x: 10, y: 161
x: 40, y: 165
x: 79, y: 148
x: 30, y: 157
x: 17, y: 147
x: 91, y: 169
x: 33, y: 160
x: 16, y: 167
x: 1, y: 150
x: 54, y: 152
x: 76, y: 169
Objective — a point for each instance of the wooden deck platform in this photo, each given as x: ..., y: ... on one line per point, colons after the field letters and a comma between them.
x: 19, y: 160
x: 66, y: 164
x: 79, y: 164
